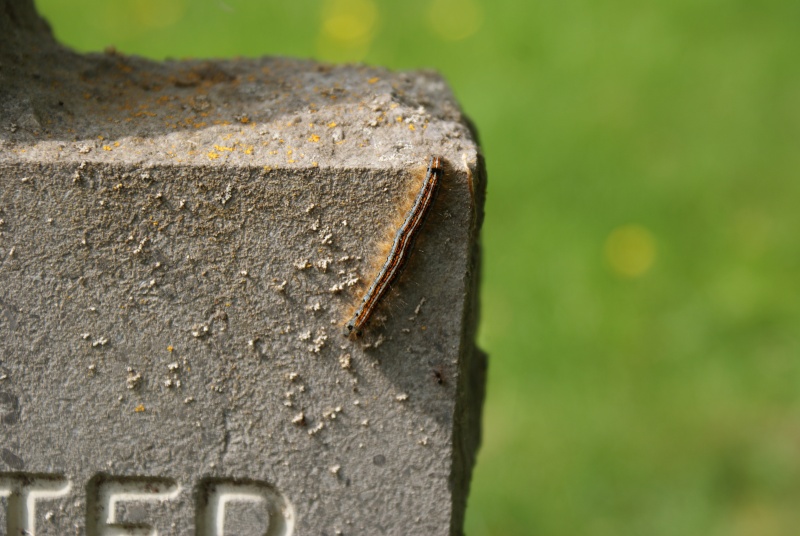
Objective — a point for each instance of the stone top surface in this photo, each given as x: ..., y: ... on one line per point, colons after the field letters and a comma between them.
x: 245, y: 112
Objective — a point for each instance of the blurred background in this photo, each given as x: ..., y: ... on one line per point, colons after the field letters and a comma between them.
x: 641, y: 294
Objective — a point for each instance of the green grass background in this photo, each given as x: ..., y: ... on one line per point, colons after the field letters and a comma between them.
x: 664, y: 402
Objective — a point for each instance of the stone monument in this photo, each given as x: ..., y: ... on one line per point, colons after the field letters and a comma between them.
x: 180, y: 246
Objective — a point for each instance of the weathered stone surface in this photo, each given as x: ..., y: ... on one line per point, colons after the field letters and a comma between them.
x: 180, y: 244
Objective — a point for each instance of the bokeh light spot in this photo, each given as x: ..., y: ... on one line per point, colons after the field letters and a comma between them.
x: 159, y: 13
x: 630, y: 250
x: 349, y: 22
x: 454, y: 20
x: 348, y: 27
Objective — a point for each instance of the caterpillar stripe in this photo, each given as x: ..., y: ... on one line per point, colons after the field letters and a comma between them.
x: 400, y: 250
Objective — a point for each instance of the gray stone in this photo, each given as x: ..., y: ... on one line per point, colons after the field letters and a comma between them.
x: 180, y: 245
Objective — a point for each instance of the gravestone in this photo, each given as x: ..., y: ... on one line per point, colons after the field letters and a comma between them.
x: 180, y: 246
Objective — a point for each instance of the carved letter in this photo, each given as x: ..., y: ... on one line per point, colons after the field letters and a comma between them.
x: 104, y: 492
x: 22, y: 491
x: 216, y: 494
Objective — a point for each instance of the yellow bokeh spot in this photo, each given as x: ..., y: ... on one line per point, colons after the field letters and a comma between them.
x: 158, y: 13
x: 349, y: 21
x: 454, y: 20
x: 348, y: 27
x: 630, y: 250
x: 123, y: 19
